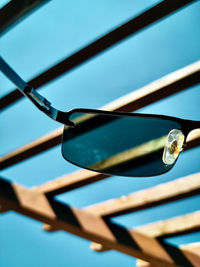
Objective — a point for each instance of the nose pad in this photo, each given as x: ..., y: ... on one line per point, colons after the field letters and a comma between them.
x: 173, y: 147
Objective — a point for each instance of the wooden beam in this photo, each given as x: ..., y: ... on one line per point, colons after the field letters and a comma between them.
x: 81, y: 223
x: 134, y: 25
x: 189, y: 223
x: 150, y: 197
x: 16, y: 10
x: 180, y: 225
x: 193, y: 139
x: 31, y: 149
x: 70, y: 182
x: 166, y: 86
x: 191, y: 251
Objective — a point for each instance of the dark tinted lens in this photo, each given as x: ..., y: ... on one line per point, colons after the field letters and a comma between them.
x: 118, y: 145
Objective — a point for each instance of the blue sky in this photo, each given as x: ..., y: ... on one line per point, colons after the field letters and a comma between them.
x: 56, y: 30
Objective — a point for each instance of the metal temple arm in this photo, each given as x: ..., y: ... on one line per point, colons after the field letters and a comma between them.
x: 39, y: 101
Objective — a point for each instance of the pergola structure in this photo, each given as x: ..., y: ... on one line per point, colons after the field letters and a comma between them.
x: 93, y: 223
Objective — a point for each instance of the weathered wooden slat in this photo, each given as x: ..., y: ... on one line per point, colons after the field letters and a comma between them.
x: 70, y: 182
x: 47, y: 210
x: 150, y: 197
x: 180, y: 225
x: 16, y: 10
x: 166, y: 86
x: 134, y: 25
x: 31, y: 149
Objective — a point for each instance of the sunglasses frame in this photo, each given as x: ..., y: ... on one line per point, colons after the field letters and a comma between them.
x: 186, y: 127
x: 63, y: 117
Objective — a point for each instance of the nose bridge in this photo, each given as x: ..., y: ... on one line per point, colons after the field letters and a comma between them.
x: 173, y: 146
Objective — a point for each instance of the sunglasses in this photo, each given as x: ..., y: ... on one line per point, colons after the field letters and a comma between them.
x: 114, y: 143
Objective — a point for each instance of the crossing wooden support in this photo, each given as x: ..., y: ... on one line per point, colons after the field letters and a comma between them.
x: 181, y: 225
x: 94, y: 223
x: 38, y: 206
